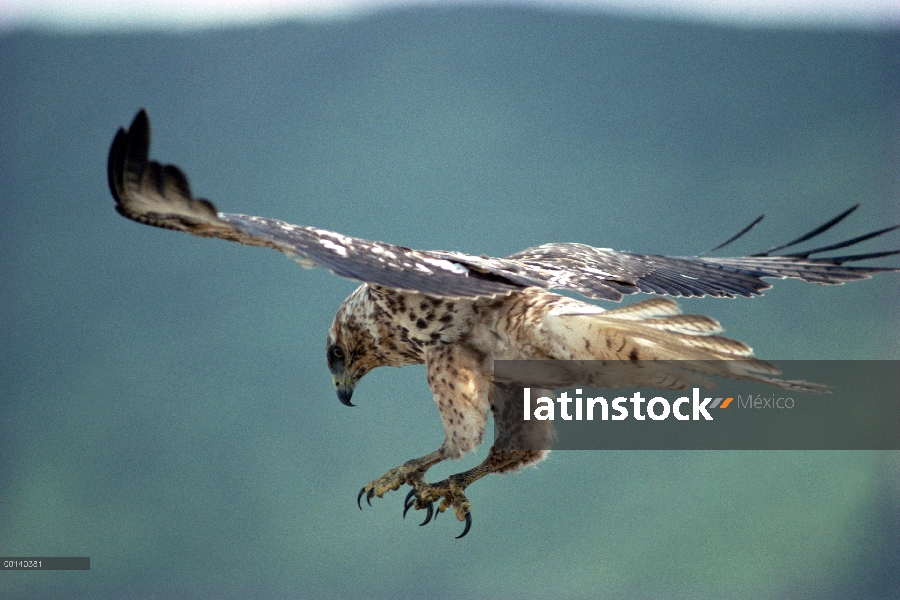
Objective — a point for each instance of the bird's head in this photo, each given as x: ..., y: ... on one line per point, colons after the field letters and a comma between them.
x: 359, y: 340
x: 349, y: 350
x: 343, y: 374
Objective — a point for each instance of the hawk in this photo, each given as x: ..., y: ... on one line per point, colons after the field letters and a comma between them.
x: 457, y: 313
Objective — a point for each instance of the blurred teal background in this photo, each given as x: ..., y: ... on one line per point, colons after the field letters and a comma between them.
x: 165, y: 407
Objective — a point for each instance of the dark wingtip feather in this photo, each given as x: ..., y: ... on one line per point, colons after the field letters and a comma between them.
x: 138, y: 140
x: 839, y: 260
x: 807, y: 236
x: 114, y: 164
x: 130, y: 150
x: 736, y: 236
x: 844, y: 244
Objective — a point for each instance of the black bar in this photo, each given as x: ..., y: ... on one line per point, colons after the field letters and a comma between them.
x: 860, y: 409
x: 45, y: 563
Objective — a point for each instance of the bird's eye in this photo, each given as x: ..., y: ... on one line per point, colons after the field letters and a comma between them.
x: 337, y: 353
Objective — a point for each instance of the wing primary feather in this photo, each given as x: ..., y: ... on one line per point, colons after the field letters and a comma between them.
x: 113, y: 171
x: 844, y: 244
x: 736, y: 236
x: 806, y: 236
x: 839, y: 260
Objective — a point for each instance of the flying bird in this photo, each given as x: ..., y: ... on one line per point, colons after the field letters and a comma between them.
x: 457, y: 313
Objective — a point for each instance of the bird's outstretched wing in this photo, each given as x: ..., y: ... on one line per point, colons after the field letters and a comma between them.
x: 154, y: 194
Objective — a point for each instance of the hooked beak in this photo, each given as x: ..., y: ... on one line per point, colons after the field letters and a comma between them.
x: 344, y: 389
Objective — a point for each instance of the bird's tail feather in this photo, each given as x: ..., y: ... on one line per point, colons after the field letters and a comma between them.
x: 655, y: 330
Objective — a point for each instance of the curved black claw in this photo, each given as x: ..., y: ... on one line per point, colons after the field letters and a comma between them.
x: 359, y: 497
x: 409, y: 502
x: 429, y: 515
x: 369, y: 496
x: 468, y: 526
